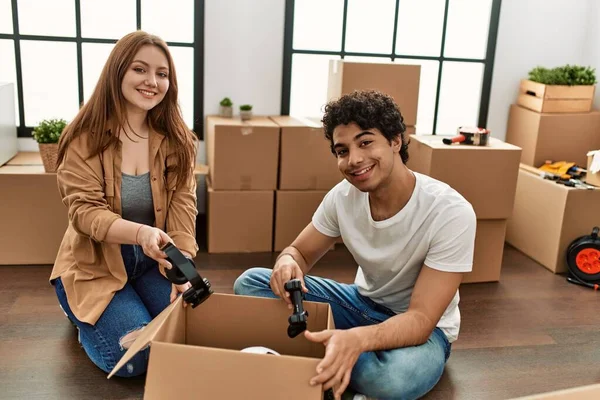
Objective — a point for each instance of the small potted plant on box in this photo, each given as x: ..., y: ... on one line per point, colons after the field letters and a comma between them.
x: 47, y: 134
x: 565, y: 89
x: 226, y: 108
x: 245, y: 112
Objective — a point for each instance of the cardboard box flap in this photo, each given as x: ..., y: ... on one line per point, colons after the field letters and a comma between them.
x: 205, y: 325
x: 189, y: 372
x: 588, y: 392
x: 153, y: 330
x: 435, y: 142
x: 286, y: 121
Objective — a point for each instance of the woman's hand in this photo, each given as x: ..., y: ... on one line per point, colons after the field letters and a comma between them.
x: 177, y: 289
x: 152, y: 240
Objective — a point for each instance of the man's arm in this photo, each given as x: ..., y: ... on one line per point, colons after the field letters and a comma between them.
x: 308, y: 248
x: 431, y: 295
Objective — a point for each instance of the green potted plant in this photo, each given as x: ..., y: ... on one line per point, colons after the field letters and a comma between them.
x: 564, y: 89
x: 245, y: 112
x: 47, y: 134
x: 226, y: 108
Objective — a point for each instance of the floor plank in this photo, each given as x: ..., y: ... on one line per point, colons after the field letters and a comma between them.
x: 532, y: 332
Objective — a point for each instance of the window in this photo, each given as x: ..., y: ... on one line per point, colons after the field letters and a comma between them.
x: 452, y: 40
x: 55, y: 62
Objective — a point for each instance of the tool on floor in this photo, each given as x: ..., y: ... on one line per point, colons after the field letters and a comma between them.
x: 583, y: 260
x: 299, y: 316
x: 469, y: 135
x: 184, y: 270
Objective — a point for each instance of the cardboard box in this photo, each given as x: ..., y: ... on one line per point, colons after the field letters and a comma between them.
x: 548, y: 217
x: 556, y: 137
x: 555, y: 98
x: 239, y: 221
x: 588, y: 392
x: 397, y: 80
x: 242, y: 155
x: 484, y: 175
x: 34, y: 219
x: 306, y: 160
x: 489, y: 250
x: 195, y: 352
x: 592, y: 178
x: 293, y: 211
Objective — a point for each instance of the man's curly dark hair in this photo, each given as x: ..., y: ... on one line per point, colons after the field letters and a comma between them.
x: 368, y: 109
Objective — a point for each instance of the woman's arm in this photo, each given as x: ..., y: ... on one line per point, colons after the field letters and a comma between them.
x: 80, y: 185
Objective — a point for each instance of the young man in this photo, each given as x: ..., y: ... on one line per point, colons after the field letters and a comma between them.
x: 412, y: 237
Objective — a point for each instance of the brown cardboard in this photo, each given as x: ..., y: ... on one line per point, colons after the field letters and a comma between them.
x: 306, y: 160
x: 34, y: 219
x: 548, y: 216
x: 489, y: 249
x: 293, y: 211
x: 26, y: 158
x: 239, y: 221
x: 556, y: 137
x: 555, y: 98
x: 484, y: 175
x: 590, y: 177
x: 397, y: 80
x: 588, y: 392
x: 242, y: 155
x: 196, y: 351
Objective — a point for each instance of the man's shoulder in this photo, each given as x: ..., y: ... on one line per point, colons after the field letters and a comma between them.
x: 443, y: 198
x: 439, y: 191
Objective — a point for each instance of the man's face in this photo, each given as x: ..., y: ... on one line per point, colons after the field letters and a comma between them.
x: 365, y: 157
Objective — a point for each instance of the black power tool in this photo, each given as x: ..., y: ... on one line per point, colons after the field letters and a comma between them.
x: 583, y: 260
x: 299, y: 317
x: 184, y: 270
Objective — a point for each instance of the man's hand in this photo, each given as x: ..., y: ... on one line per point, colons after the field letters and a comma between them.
x: 342, y: 349
x: 285, y: 269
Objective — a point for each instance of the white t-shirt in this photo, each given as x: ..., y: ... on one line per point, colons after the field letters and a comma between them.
x: 436, y: 227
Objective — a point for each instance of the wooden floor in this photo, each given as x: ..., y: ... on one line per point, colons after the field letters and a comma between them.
x: 532, y: 332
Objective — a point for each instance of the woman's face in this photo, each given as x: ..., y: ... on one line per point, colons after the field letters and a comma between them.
x: 147, y: 79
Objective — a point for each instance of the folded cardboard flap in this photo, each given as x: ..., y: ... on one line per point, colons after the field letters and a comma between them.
x: 167, y: 326
x: 588, y: 392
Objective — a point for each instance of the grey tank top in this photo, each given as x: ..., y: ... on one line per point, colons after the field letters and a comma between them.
x: 136, y: 199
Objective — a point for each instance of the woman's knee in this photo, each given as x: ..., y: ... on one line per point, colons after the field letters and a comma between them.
x: 113, y: 351
x: 251, y: 280
x: 137, y: 365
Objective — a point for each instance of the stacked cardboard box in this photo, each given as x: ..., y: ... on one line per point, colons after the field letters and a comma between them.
x: 486, y: 177
x: 242, y: 158
x: 554, y: 123
x: 397, y: 80
x: 307, y: 171
x: 34, y: 219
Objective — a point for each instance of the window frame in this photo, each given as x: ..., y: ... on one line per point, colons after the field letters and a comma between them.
x: 24, y: 131
x: 488, y: 61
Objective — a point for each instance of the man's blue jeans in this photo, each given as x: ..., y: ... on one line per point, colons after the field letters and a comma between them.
x: 144, y: 296
x: 404, y: 373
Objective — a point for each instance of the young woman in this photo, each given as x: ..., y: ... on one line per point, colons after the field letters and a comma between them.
x: 125, y: 173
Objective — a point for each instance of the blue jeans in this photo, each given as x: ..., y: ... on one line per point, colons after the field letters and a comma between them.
x: 142, y: 298
x: 404, y: 373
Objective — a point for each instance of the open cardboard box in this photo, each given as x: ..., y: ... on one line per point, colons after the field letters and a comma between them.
x: 195, y: 352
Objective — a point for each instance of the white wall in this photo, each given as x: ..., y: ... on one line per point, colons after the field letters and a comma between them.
x: 592, y: 54
x: 548, y: 33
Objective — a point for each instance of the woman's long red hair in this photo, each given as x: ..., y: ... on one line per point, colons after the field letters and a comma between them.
x: 104, y: 115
